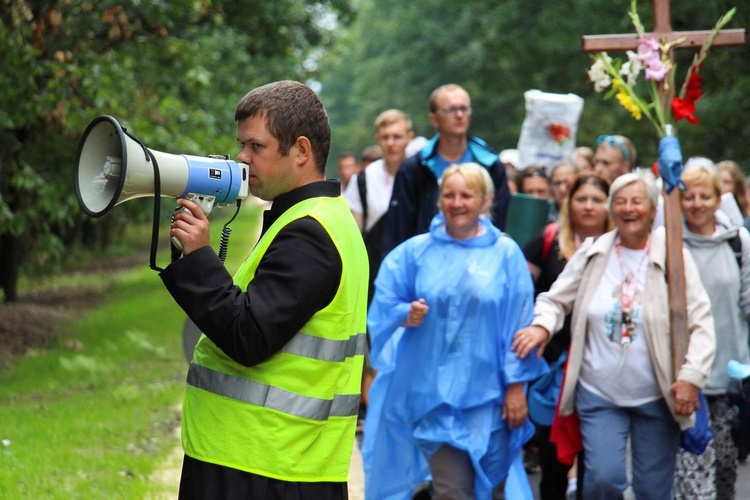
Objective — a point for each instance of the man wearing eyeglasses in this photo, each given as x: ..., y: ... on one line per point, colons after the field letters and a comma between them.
x: 415, y: 190
x: 615, y: 155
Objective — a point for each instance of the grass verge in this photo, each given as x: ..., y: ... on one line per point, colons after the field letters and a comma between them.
x: 95, y: 414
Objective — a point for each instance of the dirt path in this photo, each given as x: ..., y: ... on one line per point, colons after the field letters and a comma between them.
x: 169, y: 473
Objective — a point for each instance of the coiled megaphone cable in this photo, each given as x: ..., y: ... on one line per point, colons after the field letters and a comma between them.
x: 225, y: 233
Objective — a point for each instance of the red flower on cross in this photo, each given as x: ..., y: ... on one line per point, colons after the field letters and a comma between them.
x: 684, y: 108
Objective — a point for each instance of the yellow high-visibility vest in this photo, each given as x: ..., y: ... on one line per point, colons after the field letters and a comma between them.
x: 292, y: 417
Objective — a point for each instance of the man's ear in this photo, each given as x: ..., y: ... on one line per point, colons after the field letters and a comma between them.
x: 433, y: 119
x: 304, y: 150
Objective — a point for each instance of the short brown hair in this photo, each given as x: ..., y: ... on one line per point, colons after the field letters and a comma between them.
x: 567, y: 235
x: 292, y: 110
x: 448, y: 87
x: 372, y: 153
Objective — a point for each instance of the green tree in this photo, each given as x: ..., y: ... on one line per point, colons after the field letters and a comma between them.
x: 398, y: 52
x: 169, y: 71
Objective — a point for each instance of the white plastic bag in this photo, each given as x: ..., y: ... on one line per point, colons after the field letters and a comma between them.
x: 549, y: 130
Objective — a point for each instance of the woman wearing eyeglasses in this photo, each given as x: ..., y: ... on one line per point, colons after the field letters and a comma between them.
x: 559, y: 178
x: 619, y: 378
x: 722, y: 253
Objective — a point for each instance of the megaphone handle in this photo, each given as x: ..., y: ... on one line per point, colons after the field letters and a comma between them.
x: 205, y: 201
x: 176, y: 243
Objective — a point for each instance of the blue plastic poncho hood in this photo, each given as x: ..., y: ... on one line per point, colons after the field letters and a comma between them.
x: 445, y: 381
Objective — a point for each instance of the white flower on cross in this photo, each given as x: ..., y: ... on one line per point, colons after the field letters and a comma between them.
x: 598, y: 74
x: 631, y: 69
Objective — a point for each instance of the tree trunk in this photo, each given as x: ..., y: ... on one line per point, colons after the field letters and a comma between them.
x: 9, y: 260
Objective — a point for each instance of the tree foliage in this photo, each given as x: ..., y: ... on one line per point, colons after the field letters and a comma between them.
x: 171, y: 72
x: 398, y: 52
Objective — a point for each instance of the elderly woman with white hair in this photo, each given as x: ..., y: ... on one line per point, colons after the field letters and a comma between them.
x: 619, y: 377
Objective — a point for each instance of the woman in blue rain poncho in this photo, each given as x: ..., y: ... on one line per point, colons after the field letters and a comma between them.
x: 449, y: 397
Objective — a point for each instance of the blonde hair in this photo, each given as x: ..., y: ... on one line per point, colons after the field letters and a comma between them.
x: 477, y: 179
x: 738, y: 179
x: 702, y: 176
x: 585, y: 154
x: 622, y: 144
x: 391, y: 116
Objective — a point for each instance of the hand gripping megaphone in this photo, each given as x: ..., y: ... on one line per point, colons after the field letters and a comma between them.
x: 113, y: 167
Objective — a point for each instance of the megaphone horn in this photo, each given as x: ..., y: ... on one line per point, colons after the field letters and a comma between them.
x: 113, y: 167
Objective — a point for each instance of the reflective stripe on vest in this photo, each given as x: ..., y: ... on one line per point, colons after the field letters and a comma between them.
x: 272, y: 397
x: 293, y: 416
x: 275, y: 398
x: 326, y: 349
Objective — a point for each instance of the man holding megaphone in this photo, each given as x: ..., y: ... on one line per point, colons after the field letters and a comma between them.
x: 272, y: 393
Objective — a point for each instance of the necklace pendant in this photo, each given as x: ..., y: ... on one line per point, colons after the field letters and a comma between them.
x: 627, y: 328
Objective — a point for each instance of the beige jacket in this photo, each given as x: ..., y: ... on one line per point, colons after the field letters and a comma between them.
x: 575, y: 288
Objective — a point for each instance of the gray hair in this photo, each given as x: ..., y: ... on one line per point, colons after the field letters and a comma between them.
x: 701, y: 161
x: 646, y: 178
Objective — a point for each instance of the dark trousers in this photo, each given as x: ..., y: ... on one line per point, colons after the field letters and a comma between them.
x: 204, y: 481
x: 554, y: 479
x: 453, y: 476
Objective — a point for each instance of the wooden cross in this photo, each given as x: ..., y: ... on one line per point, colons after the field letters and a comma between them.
x: 675, y: 274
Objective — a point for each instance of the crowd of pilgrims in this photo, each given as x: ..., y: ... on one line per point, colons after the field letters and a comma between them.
x: 463, y: 320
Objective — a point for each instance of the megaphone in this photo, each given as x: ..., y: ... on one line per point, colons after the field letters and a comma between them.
x: 113, y: 167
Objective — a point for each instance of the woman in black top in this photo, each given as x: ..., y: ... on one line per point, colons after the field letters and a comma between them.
x: 583, y: 214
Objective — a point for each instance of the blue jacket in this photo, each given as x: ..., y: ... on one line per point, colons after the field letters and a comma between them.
x: 414, y: 201
x: 445, y: 381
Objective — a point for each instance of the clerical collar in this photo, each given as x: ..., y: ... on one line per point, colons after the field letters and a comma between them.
x: 283, y: 202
